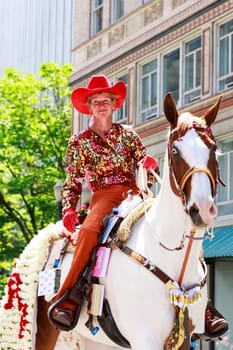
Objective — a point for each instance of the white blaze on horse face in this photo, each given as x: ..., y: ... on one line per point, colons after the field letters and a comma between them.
x: 196, y: 153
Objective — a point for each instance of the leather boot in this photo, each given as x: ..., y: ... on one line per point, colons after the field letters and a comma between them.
x: 215, y: 324
x: 66, y: 318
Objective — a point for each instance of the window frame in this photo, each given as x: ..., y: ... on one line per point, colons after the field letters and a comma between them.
x: 195, y: 88
x: 179, y: 47
x: 94, y: 10
x: 124, y: 108
x: 229, y: 75
x: 228, y: 190
x: 163, y: 86
x: 116, y: 14
x: 140, y: 118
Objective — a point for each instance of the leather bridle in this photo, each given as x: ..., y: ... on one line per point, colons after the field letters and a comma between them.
x: 178, y: 187
x: 198, y: 169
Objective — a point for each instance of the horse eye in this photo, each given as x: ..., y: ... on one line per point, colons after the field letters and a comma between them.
x: 174, y: 151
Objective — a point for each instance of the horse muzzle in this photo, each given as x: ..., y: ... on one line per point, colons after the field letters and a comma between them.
x: 202, y: 216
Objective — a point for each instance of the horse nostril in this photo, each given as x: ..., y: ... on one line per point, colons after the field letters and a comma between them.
x: 193, y: 210
x: 213, y: 210
x: 203, y: 214
x: 195, y: 216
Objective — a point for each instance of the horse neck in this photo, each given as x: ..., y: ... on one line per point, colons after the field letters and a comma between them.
x: 170, y: 213
x: 170, y: 225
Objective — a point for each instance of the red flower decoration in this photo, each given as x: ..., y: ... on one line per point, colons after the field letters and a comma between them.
x: 13, y: 293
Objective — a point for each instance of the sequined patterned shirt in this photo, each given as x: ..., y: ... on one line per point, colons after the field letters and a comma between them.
x: 103, y: 162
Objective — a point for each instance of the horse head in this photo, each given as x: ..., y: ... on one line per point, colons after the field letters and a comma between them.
x: 193, y: 164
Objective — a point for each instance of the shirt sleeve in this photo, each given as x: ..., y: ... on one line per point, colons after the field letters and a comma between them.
x: 72, y: 187
x: 138, y: 149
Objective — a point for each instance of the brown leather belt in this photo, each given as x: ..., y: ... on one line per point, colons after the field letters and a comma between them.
x: 153, y: 268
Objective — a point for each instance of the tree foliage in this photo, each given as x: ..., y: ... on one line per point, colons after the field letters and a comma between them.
x: 35, y: 123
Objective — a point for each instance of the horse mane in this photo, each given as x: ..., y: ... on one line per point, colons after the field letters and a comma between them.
x: 187, y: 121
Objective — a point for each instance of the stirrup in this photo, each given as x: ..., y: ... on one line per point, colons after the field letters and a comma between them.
x: 79, y: 299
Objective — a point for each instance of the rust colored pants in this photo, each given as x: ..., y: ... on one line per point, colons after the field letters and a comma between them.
x: 102, y: 203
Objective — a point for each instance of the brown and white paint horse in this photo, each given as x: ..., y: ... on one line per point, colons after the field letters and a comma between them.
x: 169, y: 237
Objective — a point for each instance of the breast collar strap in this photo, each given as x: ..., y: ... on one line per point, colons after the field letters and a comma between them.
x: 155, y: 270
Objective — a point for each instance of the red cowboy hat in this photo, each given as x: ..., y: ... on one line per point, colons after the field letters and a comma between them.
x: 97, y: 84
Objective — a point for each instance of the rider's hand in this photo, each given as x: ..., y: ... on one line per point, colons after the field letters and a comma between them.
x: 148, y: 163
x: 70, y: 218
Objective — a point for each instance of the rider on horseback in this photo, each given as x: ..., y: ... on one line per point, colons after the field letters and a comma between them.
x: 106, y: 153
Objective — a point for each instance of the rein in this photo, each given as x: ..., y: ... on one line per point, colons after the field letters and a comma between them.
x: 190, y: 237
x: 192, y: 233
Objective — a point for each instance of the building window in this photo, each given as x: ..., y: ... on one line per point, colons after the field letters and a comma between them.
x: 121, y: 115
x: 117, y: 10
x: 192, y: 71
x: 225, y: 194
x: 97, y: 16
x: 171, y: 75
x: 148, y: 91
x: 225, y: 66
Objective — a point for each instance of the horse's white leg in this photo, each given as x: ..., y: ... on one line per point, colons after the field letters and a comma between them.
x: 46, y: 335
x: 197, y: 312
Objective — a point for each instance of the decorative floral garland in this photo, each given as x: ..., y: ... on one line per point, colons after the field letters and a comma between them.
x: 13, y: 285
x: 17, y: 309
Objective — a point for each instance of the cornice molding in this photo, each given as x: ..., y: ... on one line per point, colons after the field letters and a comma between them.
x: 161, y: 33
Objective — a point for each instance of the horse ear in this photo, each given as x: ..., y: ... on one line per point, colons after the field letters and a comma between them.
x: 170, y: 111
x: 211, y: 114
